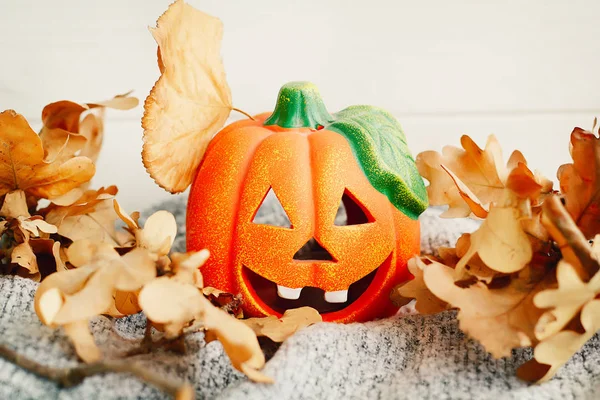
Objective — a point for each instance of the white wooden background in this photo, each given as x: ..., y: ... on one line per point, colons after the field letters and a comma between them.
x: 527, y: 71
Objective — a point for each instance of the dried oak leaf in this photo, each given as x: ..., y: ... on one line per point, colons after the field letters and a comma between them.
x: 470, y: 179
x: 500, y: 319
x: 70, y: 298
x: 23, y: 165
x: 26, y: 238
x: 555, y: 351
x: 580, y: 181
x: 567, y: 300
x: 176, y: 304
x: 90, y: 217
x: 279, y: 329
x: 66, y: 133
x: 500, y: 241
x: 186, y: 267
x: 426, y: 302
x: 190, y: 101
x: 158, y: 233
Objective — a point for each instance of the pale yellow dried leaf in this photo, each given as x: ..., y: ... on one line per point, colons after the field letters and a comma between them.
x: 60, y: 145
x: 15, y: 205
x: 67, y: 282
x: 67, y: 114
x: 85, y: 346
x: 168, y: 301
x: 22, y: 163
x: 136, y: 269
x: 186, y: 266
x: 68, y: 198
x: 93, y: 299
x: 500, y: 242
x: 158, y: 233
x: 23, y: 255
x: 58, y: 257
x: 84, y: 252
x: 95, y: 223
x: 50, y: 304
x: 565, y: 301
x: 426, y: 302
x: 467, y: 195
x: 441, y: 189
x: 556, y: 350
x: 279, y: 329
x: 35, y: 225
x: 238, y: 340
x: 119, y: 102
x: 500, y: 319
x: 131, y: 223
x: 92, y: 128
x: 191, y: 100
x: 481, y: 171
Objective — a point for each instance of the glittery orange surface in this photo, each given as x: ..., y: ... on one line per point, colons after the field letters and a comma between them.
x: 309, y: 170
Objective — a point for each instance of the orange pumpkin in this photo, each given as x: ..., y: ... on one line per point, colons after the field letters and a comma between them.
x: 311, y: 162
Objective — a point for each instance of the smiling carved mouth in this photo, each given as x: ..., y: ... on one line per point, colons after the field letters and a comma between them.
x: 274, y: 296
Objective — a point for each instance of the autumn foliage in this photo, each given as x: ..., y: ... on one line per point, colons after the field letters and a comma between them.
x: 527, y: 276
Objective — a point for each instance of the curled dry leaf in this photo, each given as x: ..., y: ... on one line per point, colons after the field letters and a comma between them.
x: 500, y: 242
x: 15, y: 205
x: 158, y: 234
x: 580, y: 181
x: 23, y: 165
x: 172, y: 303
x: 567, y: 300
x: 482, y: 171
x: 501, y: 319
x: 426, y: 302
x: 66, y: 133
x: 238, y: 340
x: 69, y: 298
x: 25, y: 238
x: 176, y: 304
x: 470, y: 179
x: 279, y: 329
x: 190, y: 101
x: 572, y: 243
x: 186, y: 267
x: 555, y: 351
x: 90, y: 217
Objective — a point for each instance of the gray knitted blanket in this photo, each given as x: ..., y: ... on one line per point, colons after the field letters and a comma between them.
x: 410, y: 357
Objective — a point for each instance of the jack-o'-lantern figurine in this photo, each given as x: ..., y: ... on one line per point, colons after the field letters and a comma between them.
x: 311, y: 161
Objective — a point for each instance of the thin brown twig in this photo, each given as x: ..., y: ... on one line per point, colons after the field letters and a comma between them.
x: 148, y: 344
x: 69, y: 377
x: 573, y: 237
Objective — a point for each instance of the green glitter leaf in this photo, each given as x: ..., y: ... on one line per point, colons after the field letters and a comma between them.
x: 380, y: 146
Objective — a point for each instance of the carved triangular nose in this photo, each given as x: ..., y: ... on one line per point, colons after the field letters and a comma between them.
x: 313, y: 250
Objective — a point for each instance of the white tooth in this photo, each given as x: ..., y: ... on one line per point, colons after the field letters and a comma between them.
x: 288, y: 293
x: 341, y: 296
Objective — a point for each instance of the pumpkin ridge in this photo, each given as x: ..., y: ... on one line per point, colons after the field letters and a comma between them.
x: 233, y: 239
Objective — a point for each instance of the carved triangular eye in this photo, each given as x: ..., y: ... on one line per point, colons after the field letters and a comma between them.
x: 352, y: 212
x: 313, y: 251
x: 271, y: 212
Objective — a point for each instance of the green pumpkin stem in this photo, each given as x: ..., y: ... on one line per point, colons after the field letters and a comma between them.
x: 299, y: 105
